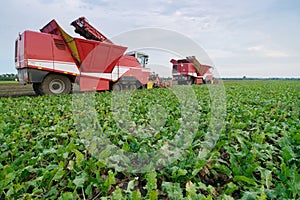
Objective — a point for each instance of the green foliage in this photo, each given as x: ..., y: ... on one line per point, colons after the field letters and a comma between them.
x: 8, y: 77
x: 257, y: 155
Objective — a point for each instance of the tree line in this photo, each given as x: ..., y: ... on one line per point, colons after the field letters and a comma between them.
x: 8, y: 77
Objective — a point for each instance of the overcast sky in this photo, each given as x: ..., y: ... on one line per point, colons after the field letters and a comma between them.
x: 258, y: 38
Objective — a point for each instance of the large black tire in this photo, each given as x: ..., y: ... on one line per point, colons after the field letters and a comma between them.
x: 37, y: 88
x: 132, y: 86
x: 189, y: 82
x: 56, y: 84
x: 117, y: 87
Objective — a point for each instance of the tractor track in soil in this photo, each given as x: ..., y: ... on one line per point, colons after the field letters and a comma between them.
x: 15, y: 89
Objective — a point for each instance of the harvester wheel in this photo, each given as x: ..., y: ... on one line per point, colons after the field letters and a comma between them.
x: 37, y: 88
x: 132, y: 86
x: 117, y: 87
x: 56, y: 84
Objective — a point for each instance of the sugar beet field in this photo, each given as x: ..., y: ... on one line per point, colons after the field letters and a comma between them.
x: 46, y: 153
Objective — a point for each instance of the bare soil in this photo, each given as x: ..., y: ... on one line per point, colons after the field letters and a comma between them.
x: 15, y: 89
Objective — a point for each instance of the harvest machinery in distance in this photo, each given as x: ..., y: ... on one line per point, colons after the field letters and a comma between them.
x: 51, y: 60
x: 189, y: 71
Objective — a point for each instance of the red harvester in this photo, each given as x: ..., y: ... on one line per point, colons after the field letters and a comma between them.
x: 189, y: 71
x: 52, y: 60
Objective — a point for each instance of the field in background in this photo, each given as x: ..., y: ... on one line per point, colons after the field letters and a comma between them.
x: 257, y: 155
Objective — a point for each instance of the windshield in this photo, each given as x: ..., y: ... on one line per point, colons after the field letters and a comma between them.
x: 142, y: 59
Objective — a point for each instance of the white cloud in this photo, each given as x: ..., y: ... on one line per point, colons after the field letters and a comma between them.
x: 276, y: 54
x: 264, y: 51
x: 219, y: 53
x: 255, y: 48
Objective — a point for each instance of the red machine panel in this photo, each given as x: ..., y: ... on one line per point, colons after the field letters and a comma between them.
x: 98, y: 57
x: 204, y: 69
x: 45, y: 51
x: 61, y: 51
x: 129, y: 61
x: 92, y: 83
x: 38, y: 46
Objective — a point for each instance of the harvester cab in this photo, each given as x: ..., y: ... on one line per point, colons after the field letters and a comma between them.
x: 142, y: 58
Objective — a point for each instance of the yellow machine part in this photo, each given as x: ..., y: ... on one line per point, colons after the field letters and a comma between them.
x: 71, y: 44
x: 150, y: 85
